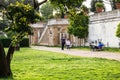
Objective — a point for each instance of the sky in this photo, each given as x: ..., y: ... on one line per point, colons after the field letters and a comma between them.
x: 87, y: 3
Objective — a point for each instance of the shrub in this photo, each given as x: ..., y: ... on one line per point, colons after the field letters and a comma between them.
x: 99, y: 5
x: 6, y: 42
x: 118, y: 31
x: 24, y: 42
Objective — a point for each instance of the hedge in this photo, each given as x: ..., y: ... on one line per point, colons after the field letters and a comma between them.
x: 24, y: 42
x: 6, y: 42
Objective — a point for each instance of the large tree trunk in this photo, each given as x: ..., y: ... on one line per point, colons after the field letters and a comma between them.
x: 9, y: 58
x: 5, y: 70
x: 3, y: 63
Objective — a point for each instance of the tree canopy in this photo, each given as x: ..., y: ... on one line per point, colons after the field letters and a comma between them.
x: 20, y: 16
x: 46, y: 10
x: 79, y: 25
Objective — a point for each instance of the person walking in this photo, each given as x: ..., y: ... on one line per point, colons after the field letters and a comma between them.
x: 68, y: 43
x: 62, y: 43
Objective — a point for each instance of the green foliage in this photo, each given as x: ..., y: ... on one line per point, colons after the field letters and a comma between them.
x: 51, y: 16
x: 117, y: 1
x: 5, y: 3
x: 57, y: 66
x: 70, y: 4
x: 65, y: 6
x: 99, y: 5
x: 78, y: 25
x: 24, y: 42
x: 46, y: 10
x: 20, y: 17
x: 78, y: 21
x: 57, y: 15
x: 118, y: 30
x: 6, y: 42
x: 84, y: 9
x: 10, y: 34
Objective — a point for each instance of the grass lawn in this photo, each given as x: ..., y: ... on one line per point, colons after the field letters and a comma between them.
x: 107, y: 49
x: 30, y: 64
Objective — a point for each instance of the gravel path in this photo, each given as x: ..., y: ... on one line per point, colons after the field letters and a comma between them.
x: 97, y: 54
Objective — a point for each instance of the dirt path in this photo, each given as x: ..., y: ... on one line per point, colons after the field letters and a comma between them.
x: 97, y: 54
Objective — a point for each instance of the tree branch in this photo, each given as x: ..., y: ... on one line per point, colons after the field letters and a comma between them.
x: 42, y: 2
x: 38, y: 4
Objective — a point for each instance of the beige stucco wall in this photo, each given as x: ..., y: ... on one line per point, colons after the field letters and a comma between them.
x: 54, y: 31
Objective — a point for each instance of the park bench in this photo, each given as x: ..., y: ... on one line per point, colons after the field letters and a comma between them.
x: 95, y: 48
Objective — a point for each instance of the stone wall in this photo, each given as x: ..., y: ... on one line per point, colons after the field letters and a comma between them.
x: 102, y: 27
x: 51, y: 36
x: 37, y: 32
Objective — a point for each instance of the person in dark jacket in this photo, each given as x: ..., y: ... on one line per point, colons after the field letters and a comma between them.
x: 62, y: 43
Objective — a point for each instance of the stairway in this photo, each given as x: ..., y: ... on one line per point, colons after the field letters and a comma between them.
x: 43, y: 34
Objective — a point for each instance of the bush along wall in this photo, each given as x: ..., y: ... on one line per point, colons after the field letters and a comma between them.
x: 6, y: 42
x: 24, y: 42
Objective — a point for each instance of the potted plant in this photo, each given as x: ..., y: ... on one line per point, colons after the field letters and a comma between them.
x: 117, y: 4
x: 99, y: 6
x: 85, y: 10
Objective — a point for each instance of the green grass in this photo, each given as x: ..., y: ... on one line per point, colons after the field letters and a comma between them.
x: 112, y: 50
x: 30, y: 64
x: 107, y: 49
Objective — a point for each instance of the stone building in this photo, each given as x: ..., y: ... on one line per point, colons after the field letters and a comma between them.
x: 55, y: 29
x: 38, y: 28
x: 52, y: 33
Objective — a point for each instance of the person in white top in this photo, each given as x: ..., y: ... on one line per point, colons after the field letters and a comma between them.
x: 68, y: 43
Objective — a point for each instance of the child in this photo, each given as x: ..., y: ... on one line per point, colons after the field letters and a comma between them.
x: 68, y: 43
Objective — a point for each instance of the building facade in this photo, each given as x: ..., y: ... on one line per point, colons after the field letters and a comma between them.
x: 103, y: 26
x: 52, y: 33
x: 38, y: 28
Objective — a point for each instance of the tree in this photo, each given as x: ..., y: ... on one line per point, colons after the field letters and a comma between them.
x: 118, y: 30
x: 34, y: 3
x: 65, y: 6
x: 85, y: 10
x: 19, y: 16
x: 46, y: 10
x: 77, y: 17
x: 79, y: 25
